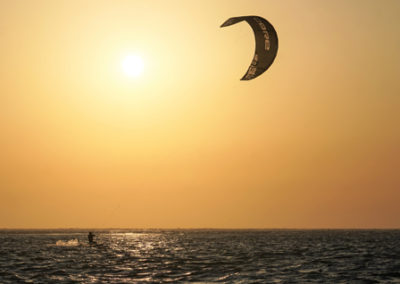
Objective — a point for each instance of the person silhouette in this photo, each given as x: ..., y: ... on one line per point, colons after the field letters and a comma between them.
x: 91, y: 237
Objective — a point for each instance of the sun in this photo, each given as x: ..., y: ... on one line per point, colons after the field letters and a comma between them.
x: 132, y: 65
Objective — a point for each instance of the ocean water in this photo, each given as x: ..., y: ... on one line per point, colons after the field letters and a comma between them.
x: 229, y: 256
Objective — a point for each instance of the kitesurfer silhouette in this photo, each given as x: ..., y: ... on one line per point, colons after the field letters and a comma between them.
x: 90, y: 237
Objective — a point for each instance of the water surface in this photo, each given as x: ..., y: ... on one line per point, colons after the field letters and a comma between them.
x: 239, y: 256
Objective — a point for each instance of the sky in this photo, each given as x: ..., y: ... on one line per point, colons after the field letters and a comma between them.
x: 314, y: 142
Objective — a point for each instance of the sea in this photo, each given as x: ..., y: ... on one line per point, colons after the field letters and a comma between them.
x: 200, y: 256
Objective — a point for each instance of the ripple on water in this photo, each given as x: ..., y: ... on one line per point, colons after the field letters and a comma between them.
x: 201, y: 256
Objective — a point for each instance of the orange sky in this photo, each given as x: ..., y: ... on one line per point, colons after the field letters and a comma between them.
x: 312, y: 143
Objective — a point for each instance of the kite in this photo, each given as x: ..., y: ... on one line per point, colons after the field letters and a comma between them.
x: 266, y: 44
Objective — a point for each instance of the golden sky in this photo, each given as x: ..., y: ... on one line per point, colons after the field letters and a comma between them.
x: 314, y: 142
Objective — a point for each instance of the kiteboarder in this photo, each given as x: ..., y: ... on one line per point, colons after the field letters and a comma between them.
x: 90, y: 237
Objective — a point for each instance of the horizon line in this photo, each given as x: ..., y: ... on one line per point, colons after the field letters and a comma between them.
x: 201, y: 228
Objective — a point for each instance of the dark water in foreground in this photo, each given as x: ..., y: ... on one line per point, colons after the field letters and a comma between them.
x: 240, y: 256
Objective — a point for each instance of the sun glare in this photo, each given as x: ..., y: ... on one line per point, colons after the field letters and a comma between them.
x: 132, y: 65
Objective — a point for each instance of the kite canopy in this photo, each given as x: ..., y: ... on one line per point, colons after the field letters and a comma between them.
x: 266, y: 44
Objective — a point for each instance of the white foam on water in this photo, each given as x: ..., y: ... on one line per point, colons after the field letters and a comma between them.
x: 69, y: 243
